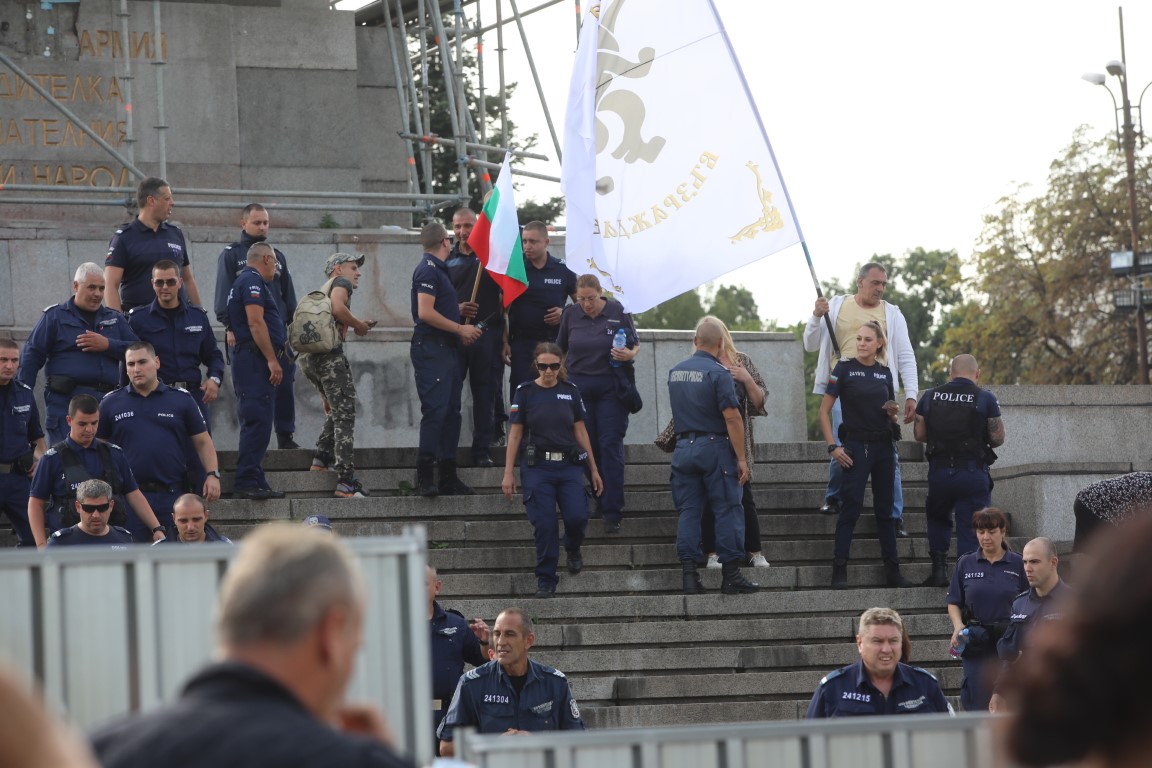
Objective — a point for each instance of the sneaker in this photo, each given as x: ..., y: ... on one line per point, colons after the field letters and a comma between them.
x: 350, y: 489
x: 320, y: 464
x: 713, y: 561
x: 757, y: 561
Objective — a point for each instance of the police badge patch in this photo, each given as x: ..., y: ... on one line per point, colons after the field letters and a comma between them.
x: 575, y: 709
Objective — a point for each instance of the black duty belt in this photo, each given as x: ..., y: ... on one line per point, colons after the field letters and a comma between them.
x: 159, y: 488
x: 869, y: 437
x: 66, y: 385
x: 697, y: 435
x: 188, y: 385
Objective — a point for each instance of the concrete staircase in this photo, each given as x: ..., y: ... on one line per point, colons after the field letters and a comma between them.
x: 638, y: 652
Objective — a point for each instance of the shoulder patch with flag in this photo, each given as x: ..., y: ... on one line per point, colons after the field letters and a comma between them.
x: 496, y: 238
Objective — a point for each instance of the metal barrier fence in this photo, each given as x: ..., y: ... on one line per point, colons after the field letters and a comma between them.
x: 109, y: 632
x: 929, y: 741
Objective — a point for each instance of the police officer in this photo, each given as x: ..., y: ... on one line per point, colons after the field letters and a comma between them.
x: 511, y: 694
x: 94, y: 505
x: 708, y: 463
x: 960, y: 424
x: 80, y: 344
x: 1041, y: 603
x: 79, y: 457
x: 261, y: 339
x: 138, y: 245
x: 455, y: 641
x: 21, y: 443
x: 190, y: 521
x: 879, y: 683
x: 437, y: 341
x: 483, y: 366
x: 182, y: 336
x: 984, y: 585
x: 154, y: 423
x: 535, y: 315
x: 254, y: 224
x: 548, y: 419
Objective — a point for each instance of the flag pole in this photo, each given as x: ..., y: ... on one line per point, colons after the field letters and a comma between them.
x: 475, y: 287
x: 820, y: 295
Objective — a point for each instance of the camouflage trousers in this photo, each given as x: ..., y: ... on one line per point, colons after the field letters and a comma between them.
x: 330, y: 373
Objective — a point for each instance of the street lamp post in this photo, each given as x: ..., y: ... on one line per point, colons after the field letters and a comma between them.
x: 1127, y: 138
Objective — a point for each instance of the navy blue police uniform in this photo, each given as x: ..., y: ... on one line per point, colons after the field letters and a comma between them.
x: 101, y: 460
x: 210, y: 535
x: 550, y: 286
x: 552, y: 471
x: 483, y: 366
x: 69, y: 370
x: 866, y: 434
x: 255, y: 394
x: 1028, y: 610
x: 956, y: 415
x: 19, y: 432
x: 184, y: 341
x: 136, y: 248
x: 453, y: 644
x: 154, y: 432
x: 233, y: 260
x: 436, y: 361
x: 704, y: 465
x: 984, y: 592
x: 116, y: 538
x: 847, y: 692
x: 587, y: 342
x: 487, y: 700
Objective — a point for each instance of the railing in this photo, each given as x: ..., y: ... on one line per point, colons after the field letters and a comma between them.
x: 109, y: 632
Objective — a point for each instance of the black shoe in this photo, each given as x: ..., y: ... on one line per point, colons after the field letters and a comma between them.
x: 575, y: 562
x: 546, y: 590
x: 285, y: 442
x: 839, y: 574
x: 831, y: 506
x: 893, y: 577
x: 484, y: 461
x: 939, y: 575
x: 611, y: 526
x: 898, y: 527
x: 426, y: 476
x: 734, y: 582
x: 450, y: 483
x: 256, y: 494
x: 692, y: 583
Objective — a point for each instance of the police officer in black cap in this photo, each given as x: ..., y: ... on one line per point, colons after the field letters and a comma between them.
x: 455, y: 642
x: 708, y: 463
x: 21, y: 443
x: 960, y: 424
x: 879, y: 683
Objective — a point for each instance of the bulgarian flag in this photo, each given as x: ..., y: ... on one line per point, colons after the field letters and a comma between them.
x: 496, y: 237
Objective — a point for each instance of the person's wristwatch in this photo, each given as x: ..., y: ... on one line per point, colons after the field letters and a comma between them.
x: 215, y: 379
x: 832, y: 448
x: 160, y: 529
x: 214, y: 473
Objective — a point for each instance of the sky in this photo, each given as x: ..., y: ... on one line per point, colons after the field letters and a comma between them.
x: 896, y: 124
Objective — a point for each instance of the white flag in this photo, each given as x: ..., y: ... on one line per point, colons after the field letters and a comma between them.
x: 668, y: 175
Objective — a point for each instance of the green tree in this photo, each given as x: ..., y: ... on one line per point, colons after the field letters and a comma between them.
x: 927, y: 287
x: 1044, y: 313
x: 735, y: 306
x: 547, y: 211
x: 678, y: 313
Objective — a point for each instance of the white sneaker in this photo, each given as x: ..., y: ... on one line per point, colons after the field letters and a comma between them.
x: 757, y: 561
x: 713, y: 561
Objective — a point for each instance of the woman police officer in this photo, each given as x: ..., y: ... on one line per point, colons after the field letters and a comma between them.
x: 587, y: 329
x: 865, y: 389
x: 547, y: 416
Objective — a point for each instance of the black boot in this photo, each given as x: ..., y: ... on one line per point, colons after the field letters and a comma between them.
x: 839, y: 574
x: 893, y: 577
x: 450, y: 482
x: 734, y: 582
x: 426, y: 476
x: 692, y: 583
x: 284, y: 442
x: 939, y: 575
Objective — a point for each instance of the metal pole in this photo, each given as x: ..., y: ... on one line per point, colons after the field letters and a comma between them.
x: 401, y: 91
x: 528, y: 12
x: 434, y: 139
x: 518, y: 172
x: 416, y: 115
x: 159, y: 62
x: 461, y: 103
x: 425, y: 89
x: 449, y: 89
x: 232, y: 206
x: 1133, y: 214
x: 48, y: 97
x: 500, y: 67
x: 256, y: 193
x: 127, y: 78
x: 536, y: 79
x: 480, y: 81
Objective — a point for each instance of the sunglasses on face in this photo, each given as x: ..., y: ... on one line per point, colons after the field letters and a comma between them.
x: 547, y: 366
x: 95, y: 507
x: 165, y: 282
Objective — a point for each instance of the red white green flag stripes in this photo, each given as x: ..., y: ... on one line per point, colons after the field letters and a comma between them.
x: 496, y: 238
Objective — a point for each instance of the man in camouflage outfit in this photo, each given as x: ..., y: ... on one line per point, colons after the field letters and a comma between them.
x: 330, y: 373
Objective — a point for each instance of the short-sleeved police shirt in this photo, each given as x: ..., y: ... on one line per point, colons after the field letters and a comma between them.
x: 431, y: 277
x: 250, y: 288
x: 588, y: 340
x: 985, y: 588
x: 862, y: 390
x: 700, y: 390
x: 136, y: 248
x: 153, y: 431
x: 848, y: 692
x: 48, y: 481
x: 117, y: 538
x: 549, y: 286
x: 548, y: 413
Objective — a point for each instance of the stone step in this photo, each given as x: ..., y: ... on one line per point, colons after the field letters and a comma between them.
x: 695, y: 713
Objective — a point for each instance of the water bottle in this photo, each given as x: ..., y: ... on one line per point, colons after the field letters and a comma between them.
x: 961, y: 644
x: 619, y: 341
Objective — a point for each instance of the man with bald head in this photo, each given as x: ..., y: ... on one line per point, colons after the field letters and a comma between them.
x: 190, y: 519
x: 959, y: 424
x: 708, y: 465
